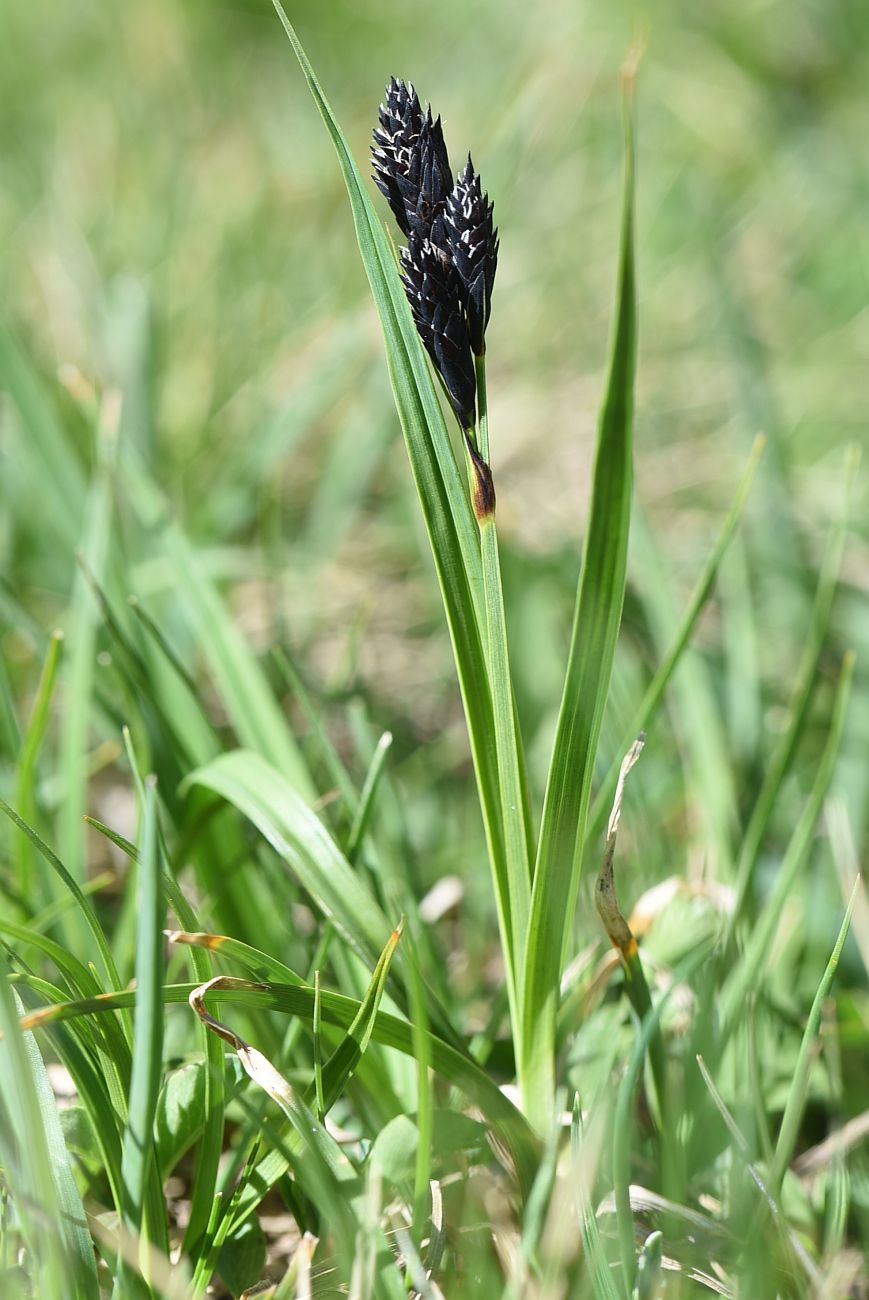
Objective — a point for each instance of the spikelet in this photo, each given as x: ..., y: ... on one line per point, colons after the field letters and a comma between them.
x: 473, y: 244
x: 432, y: 289
x: 410, y: 160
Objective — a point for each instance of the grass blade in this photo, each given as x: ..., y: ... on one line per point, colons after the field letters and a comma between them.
x: 80, y: 661
x: 309, y: 1131
x: 655, y: 690
x: 796, y: 1101
x: 28, y: 756
x: 349, y: 1051
x: 252, y: 708
x: 623, y: 1127
x: 36, y: 1163
x: 110, y: 972
x: 752, y: 963
x: 139, y: 1164
x: 597, y: 618
x: 785, y: 749
x: 59, y: 475
x: 367, y: 796
x: 208, y: 1152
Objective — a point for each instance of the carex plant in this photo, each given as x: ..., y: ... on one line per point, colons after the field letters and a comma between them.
x: 448, y: 271
x: 448, y: 267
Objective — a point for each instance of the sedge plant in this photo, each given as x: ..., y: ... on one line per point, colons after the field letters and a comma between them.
x: 448, y: 271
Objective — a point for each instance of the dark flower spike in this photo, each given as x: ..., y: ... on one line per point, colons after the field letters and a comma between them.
x: 395, y: 140
x: 411, y: 163
x: 432, y: 289
x: 473, y: 244
x: 427, y: 185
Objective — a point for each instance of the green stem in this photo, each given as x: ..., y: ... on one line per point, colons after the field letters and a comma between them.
x: 507, y: 739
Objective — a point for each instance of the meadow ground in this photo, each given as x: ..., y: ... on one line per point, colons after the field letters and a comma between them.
x: 205, y: 490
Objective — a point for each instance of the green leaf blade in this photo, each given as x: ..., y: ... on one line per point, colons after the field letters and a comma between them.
x: 597, y: 618
x: 139, y: 1167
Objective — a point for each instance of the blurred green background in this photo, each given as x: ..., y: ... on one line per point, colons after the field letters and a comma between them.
x: 173, y: 225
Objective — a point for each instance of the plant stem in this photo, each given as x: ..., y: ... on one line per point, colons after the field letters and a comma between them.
x: 507, y: 739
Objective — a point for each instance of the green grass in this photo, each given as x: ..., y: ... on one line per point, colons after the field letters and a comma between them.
x: 279, y: 717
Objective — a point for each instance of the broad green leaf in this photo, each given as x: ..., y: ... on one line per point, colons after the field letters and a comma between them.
x: 180, y: 1108
x: 395, y: 1147
x: 597, y: 617
x: 80, y: 1138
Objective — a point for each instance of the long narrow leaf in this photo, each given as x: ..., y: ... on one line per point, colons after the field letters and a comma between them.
x: 783, y: 753
x: 596, y: 623
x: 655, y: 690
x: 28, y: 756
x: 754, y: 959
x: 80, y: 665
x: 110, y: 971
x: 208, y: 1152
x: 349, y: 1051
x: 796, y: 1100
x: 139, y: 1162
x: 252, y: 708
x: 37, y: 1165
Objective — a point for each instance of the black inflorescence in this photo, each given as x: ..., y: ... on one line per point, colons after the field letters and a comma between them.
x: 411, y: 163
x: 432, y: 288
x: 448, y: 266
x: 473, y: 242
